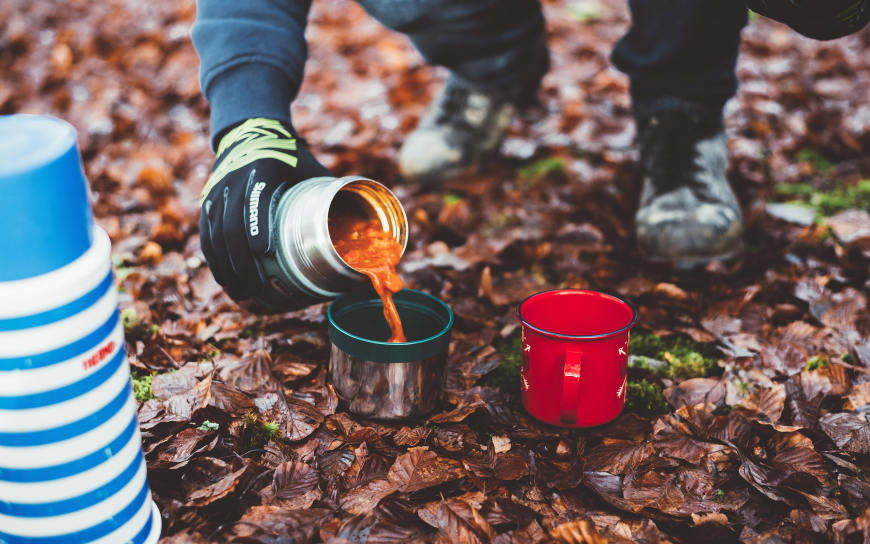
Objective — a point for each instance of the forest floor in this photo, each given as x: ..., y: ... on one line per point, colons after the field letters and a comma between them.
x: 749, y: 398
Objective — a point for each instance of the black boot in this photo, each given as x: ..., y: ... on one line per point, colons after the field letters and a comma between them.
x: 688, y: 214
x: 460, y: 126
x: 463, y: 124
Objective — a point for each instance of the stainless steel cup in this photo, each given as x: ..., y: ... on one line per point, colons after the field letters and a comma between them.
x: 384, y: 380
x: 303, y: 264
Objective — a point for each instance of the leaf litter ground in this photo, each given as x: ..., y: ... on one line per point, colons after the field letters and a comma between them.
x: 747, y: 417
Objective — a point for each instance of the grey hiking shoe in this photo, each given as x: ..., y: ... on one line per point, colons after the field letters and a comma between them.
x: 460, y: 126
x: 688, y: 213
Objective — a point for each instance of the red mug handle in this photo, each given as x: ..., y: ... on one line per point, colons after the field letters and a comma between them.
x: 571, y: 387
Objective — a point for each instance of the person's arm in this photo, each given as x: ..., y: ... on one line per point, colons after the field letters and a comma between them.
x: 252, y: 54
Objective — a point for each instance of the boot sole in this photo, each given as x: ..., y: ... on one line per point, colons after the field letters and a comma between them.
x: 691, y: 263
x: 437, y: 179
x: 434, y: 180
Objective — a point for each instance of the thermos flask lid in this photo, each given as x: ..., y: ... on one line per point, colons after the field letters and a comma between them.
x: 45, y: 216
x: 356, y: 322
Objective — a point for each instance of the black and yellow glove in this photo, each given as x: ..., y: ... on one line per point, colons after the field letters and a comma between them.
x: 818, y: 19
x: 256, y: 162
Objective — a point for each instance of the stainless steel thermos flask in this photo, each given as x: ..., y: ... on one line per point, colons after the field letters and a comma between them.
x: 305, y: 266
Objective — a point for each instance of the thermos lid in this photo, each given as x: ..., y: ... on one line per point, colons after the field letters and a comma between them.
x: 357, y: 326
x: 45, y: 215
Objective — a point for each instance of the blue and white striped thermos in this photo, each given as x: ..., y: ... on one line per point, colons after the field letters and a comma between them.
x: 71, y: 464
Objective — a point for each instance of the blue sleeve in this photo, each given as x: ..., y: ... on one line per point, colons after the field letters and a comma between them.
x: 252, y: 54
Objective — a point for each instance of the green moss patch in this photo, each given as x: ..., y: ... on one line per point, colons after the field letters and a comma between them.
x: 259, y: 433
x: 142, y: 385
x: 830, y: 202
x: 507, y: 375
x: 683, y: 357
x: 129, y: 317
x: 817, y: 361
x: 542, y: 167
x: 645, y: 398
x: 451, y: 198
x: 816, y: 160
x: 585, y: 12
x: 657, y: 357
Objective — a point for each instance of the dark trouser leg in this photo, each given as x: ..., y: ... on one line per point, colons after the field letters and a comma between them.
x: 487, y: 44
x: 681, y: 54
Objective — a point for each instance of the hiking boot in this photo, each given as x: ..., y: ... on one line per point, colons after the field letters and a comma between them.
x: 459, y: 127
x: 688, y: 213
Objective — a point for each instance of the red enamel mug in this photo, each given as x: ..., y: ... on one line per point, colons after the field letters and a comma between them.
x: 575, y: 356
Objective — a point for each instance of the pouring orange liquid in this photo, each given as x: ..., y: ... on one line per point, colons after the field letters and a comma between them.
x: 367, y: 248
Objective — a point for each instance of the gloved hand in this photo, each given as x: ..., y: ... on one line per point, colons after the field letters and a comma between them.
x: 256, y: 162
x: 818, y: 19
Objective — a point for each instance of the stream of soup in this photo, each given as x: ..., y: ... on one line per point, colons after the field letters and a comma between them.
x: 366, y: 247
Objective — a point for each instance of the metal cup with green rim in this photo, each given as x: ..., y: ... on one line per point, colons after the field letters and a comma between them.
x: 385, y: 380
